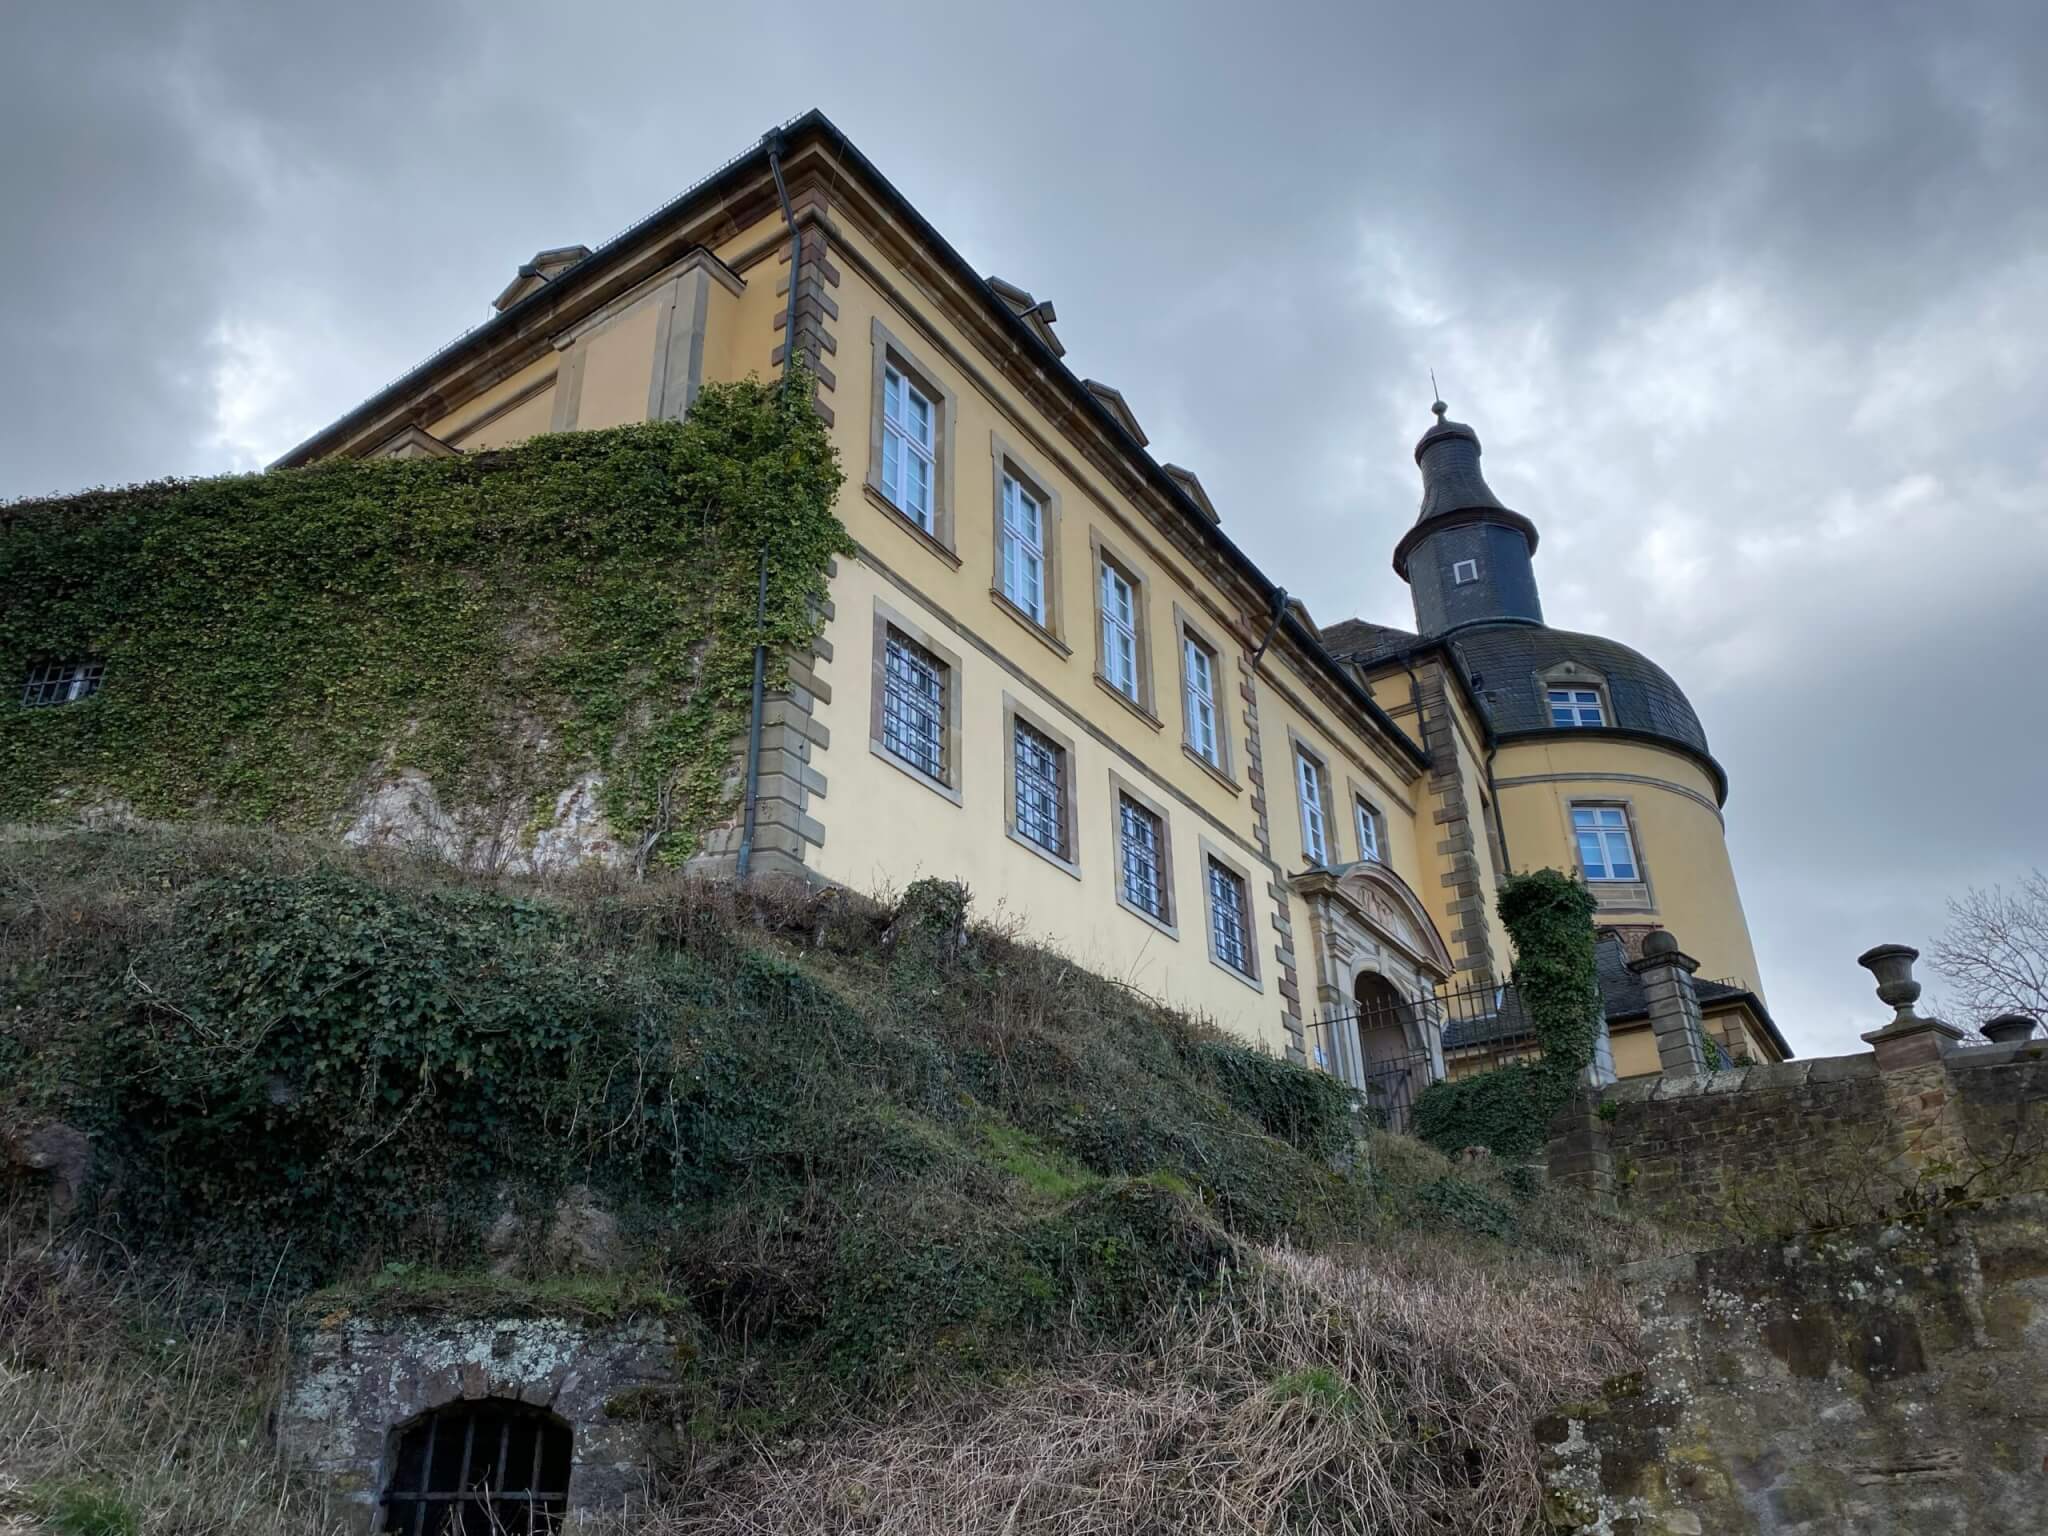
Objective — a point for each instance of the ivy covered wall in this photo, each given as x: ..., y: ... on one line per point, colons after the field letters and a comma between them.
x: 504, y: 624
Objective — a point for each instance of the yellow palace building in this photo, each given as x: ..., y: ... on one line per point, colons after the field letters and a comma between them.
x: 1048, y: 672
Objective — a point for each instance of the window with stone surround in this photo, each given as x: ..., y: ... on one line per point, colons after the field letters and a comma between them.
x: 1230, y: 923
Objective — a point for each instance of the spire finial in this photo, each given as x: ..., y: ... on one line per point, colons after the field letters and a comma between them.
x: 1438, y: 406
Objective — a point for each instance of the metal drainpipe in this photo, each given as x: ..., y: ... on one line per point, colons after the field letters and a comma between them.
x: 1272, y: 629
x: 750, y: 819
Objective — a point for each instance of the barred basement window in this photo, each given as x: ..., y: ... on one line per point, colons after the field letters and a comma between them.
x: 914, y: 705
x: 1041, y: 798
x: 1229, y: 920
x: 61, y: 682
x: 1144, y: 871
x: 477, y: 1469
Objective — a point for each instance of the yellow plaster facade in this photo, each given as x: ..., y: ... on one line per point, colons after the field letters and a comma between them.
x: 1413, y: 830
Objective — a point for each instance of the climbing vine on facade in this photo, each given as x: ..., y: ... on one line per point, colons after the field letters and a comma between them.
x: 1549, y: 918
x: 501, y: 623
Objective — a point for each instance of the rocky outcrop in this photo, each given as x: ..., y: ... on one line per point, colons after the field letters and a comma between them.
x: 1890, y: 1380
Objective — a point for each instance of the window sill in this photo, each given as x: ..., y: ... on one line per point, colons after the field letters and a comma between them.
x: 1039, y: 632
x: 1158, y: 923
x: 1235, y: 974
x: 1621, y: 895
x: 1212, y: 770
x: 1129, y: 703
x: 910, y: 770
x: 1067, y: 866
x: 909, y: 525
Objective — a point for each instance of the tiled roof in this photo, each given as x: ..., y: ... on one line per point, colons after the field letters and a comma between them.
x: 1363, y: 641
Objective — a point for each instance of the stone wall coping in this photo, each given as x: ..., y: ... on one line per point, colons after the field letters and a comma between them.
x: 1972, y: 1056
x: 1650, y: 1276
x: 1680, y: 1087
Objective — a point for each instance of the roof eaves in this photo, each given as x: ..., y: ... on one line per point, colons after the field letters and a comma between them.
x: 1020, y: 330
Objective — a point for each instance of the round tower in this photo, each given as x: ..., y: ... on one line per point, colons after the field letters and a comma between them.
x: 1596, y: 761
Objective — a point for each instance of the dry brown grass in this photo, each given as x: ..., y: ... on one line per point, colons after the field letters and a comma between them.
x: 128, y: 1414
x: 1390, y: 1392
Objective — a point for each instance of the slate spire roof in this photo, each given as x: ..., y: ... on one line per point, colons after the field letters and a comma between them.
x: 1448, y: 454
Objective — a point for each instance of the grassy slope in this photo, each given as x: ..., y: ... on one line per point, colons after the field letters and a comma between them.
x: 921, y: 1189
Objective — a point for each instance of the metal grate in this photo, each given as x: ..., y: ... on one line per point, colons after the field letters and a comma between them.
x: 1143, y: 886
x: 480, y: 1469
x: 1040, y: 803
x: 60, y: 682
x: 914, y: 705
x: 1229, y: 923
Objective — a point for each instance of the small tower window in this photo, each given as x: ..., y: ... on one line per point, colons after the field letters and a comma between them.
x: 61, y: 682
x: 1576, y: 706
x: 477, y: 1467
x: 1465, y: 572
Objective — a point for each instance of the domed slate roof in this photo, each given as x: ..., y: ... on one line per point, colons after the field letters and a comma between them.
x: 1506, y: 663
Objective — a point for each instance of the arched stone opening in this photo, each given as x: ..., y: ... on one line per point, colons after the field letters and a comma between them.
x: 478, y: 1467
x: 1385, y: 1019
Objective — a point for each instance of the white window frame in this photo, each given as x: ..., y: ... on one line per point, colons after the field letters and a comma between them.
x: 902, y: 447
x: 1023, y: 550
x: 1578, y: 703
x: 1464, y: 572
x: 1311, y: 780
x: 1606, y: 825
x: 1368, y: 820
x: 1198, y: 699
x: 1119, y: 632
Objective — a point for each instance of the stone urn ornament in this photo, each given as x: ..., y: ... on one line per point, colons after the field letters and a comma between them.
x: 1909, y: 1040
x: 2010, y: 1028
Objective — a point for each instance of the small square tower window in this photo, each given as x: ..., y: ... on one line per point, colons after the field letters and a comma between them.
x: 1465, y: 571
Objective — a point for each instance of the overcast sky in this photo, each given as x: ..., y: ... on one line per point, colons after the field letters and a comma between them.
x: 1748, y: 303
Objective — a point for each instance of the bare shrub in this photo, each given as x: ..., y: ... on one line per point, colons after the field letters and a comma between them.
x: 1995, y: 949
x: 1390, y: 1393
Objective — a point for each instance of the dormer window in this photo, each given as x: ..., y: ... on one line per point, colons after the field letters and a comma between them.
x: 1464, y: 572
x: 61, y: 682
x: 1576, y: 707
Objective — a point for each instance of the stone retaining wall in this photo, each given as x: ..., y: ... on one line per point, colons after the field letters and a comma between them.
x: 1890, y: 1380
x: 1798, y: 1144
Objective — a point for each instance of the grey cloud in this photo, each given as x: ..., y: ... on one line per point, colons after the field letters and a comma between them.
x: 1745, y: 301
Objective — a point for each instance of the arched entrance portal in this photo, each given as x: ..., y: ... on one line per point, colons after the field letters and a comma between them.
x: 1384, y: 1019
x: 1394, y: 1064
